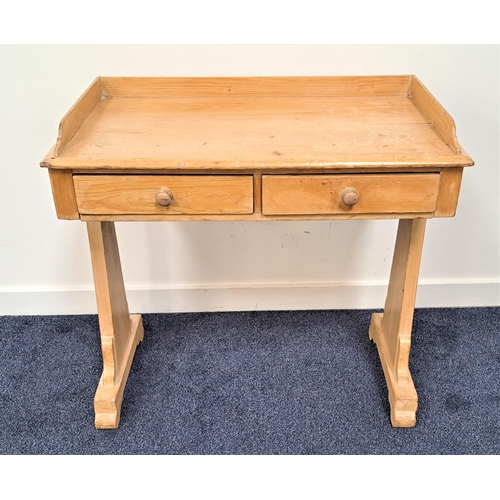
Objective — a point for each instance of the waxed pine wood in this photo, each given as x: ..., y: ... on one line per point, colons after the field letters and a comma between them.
x: 256, y: 149
x: 437, y: 115
x: 255, y: 86
x: 63, y: 192
x: 321, y: 194
x: 217, y: 123
x: 120, y: 332
x: 449, y: 189
x: 391, y: 330
x: 77, y: 115
x: 194, y: 194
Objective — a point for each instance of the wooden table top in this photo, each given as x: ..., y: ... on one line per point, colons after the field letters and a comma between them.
x: 306, y: 123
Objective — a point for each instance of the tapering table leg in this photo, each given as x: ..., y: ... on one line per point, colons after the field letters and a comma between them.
x: 120, y: 331
x: 391, y: 331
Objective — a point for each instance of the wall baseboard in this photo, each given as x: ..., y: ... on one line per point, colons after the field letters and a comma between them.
x: 58, y: 301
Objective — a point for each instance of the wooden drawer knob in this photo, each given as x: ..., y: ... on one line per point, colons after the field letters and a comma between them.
x: 164, y: 197
x: 349, y: 196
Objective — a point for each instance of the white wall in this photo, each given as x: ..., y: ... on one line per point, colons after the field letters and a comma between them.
x: 45, y: 263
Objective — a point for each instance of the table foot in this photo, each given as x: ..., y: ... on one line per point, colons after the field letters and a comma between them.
x: 108, y: 398
x: 402, y: 394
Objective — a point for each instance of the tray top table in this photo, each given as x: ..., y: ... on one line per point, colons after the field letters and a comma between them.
x: 261, y: 148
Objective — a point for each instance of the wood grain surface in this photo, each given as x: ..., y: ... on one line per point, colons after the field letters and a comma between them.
x: 136, y: 194
x: 321, y: 194
x: 238, y: 123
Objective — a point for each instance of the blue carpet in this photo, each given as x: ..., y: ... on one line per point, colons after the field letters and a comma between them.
x: 288, y: 382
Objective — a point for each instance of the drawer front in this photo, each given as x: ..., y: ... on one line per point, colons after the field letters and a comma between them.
x: 349, y: 194
x: 142, y: 194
